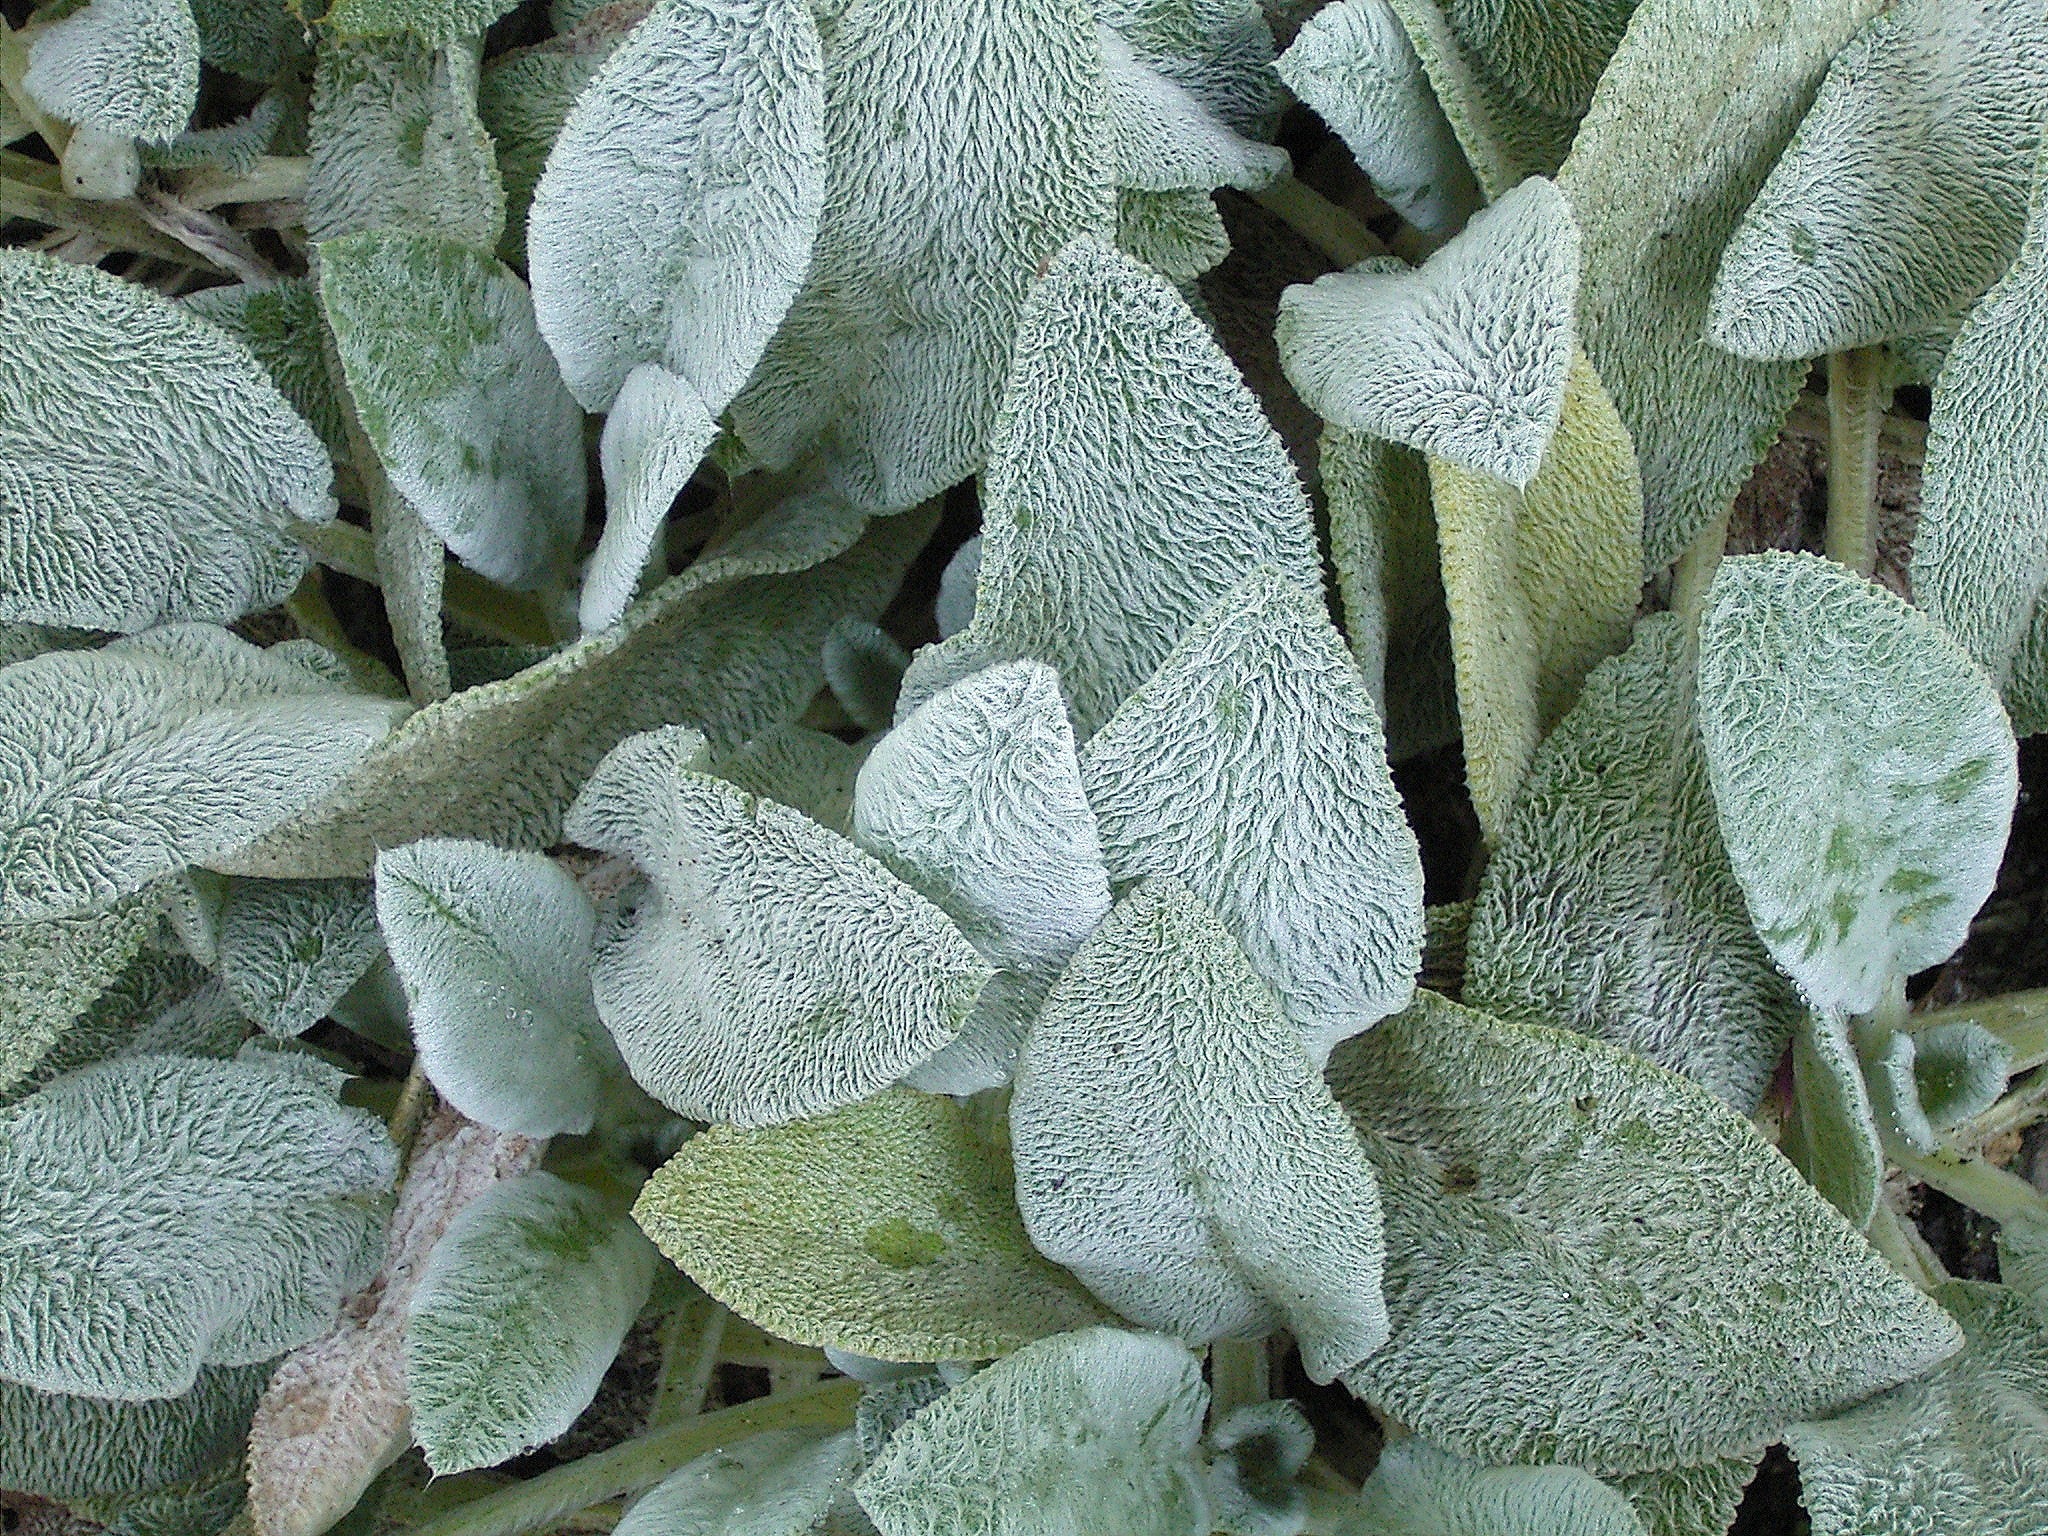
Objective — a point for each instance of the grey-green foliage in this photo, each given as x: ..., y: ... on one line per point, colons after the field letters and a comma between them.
x: 1904, y: 192
x: 1176, y: 1148
x: 1609, y: 906
x: 163, y: 749
x: 53, y: 971
x: 460, y: 398
x: 654, y: 439
x: 289, y: 949
x: 159, y: 1003
x: 1177, y: 234
x: 1252, y: 768
x: 1255, y: 1454
x: 965, y: 145
x: 1594, y: 1261
x: 58, y: 1447
x: 801, y: 767
x: 771, y: 969
x: 281, y: 325
x: 976, y: 800
x: 1547, y: 52
x: 1695, y: 108
x: 494, y: 951
x: 128, y: 68
x: 179, y: 503
x: 1691, y: 1501
x: 1164, y: 138
x: 1959, y: 1070
x: 1864, y: 772
x: 1831, y: 1135
x: 396, y: 142
x: 781, y: 1483
x: 864, y: 669
x: 254, y: 38
x: 202, y: 1507
x: 1078, y: 1434
x: 1418, y: 1490
x: 1133, y: 480
x: 437, y: 22
x: 521, y: 1307
x: 1963, y: 1451
x: 231, y: 1207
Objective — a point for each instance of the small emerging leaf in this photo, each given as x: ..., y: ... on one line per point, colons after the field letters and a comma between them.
x: 290, y: 949
x: 781, y: 1483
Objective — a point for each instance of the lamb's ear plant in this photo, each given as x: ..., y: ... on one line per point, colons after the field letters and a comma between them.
x: 715, y: 811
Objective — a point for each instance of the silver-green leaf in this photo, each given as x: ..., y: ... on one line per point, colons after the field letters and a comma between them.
x: 57, y: 1447
x: 1418, y: 1490
x: 289, y: 949
x: 781, y: 1483
x: 126, y: 68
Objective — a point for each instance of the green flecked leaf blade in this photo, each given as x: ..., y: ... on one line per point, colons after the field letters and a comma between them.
x: 1179, y: 235
x: 803, y: 768
x: 282, y: 326
x: 1176, y: 1147
x: 893, y: 1232
x: 1593, y: 1261
x: 1418, y: 1490
x: 1691, y: 1501
x: 1086, y: 1432
x: 493, y: 949
x: 1904, y: 193
x: 1164, y: 138
x: 771, y: 969
x: 1864, y: 771
x: 158, y: 1004
x: 58, y: 1447
x: 233, y: 1205
x: 781, y: 1483
x: 289, y: 949
x: 1133, y: 480
x: 653, y: 441
x: 1959, y: 1070
x: 1547, y: 52
x: 1609, y: 906
x: 1251, y: 768
x: 127, y: 68
x: 434, y: 22
x: 1219, y: 51
x: 522, y: 1305
x: 169, y: 748
x: 179, y: 503
x: 253, y: 38
x: 1831, y: 1135
x: 52, y: 972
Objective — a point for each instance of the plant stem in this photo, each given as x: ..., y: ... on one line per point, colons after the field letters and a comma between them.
x: 270, y: 179
x: 2020, y: 1019
x: 542, y: 1501
x: 1897, y: 1239
x: 1339, y: 235
x: 484, y: 607
x: 2015, y: 1112
x: 109, y: 222
x: 1857, y: 398
x: 1987, y: 1190
x: 689, y: 1354
x: 1239, y: 1375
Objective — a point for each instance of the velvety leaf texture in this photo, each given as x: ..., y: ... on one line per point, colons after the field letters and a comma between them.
x: 1549, y: 52
x: 803, y: 768
x: 1176, y: 1148
x: 1594, y: 1261
x: 1609, y: 906
x: 1088, y: 1432
x: 129, y: 68
x: 431, y: 21
x: 771, y: 969
x: 864, y: 669
x: 1831, y: 1135
x: 523, y: 1304
x: 1691, y: 1501
x: 653, y: 441
x: 1418, y: 1490
x: 1132, y: 482
x: 1466, y: 357
x: 170, y: 748
x: 255, y: 38
x: 1251, y: 768
x: 289, y: 949
x: 891, y: 1232
x: 281, y: 324
x: 494, y: 951
x: 1864, y: 771
x: 52, y: 972
x: 58, y: 1447
x: 232, y: 1206
x: 976, y: 801
x: 781, y: 1483
x: 179, y: 503
x: 1904, y: 192
x: 1177, y: 234
x: 1162, y: 136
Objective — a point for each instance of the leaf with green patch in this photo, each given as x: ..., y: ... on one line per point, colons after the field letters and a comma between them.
x: 976, y: 801
x: 893, y: 1232
x: 1963, y: 1451
x: 1593, y: 1261
x: 2023, y: 1258
x: 54, y: 971
x: 232, y: 1206
x: 1697, y: 105
x: 2026, y: 681
x: 57, y: 1447
x: 1176, y: 1147
x: 159, y: 1004
x: 1608, y: 905
x: 127, y: 68
x: 169, y: 748
x: 1904, y: 193
x: 1418, y: 1490
x: 1090, y: 1431
x: 1251, y: 768
x: 179, y: 503
x: 1133, y: 480
x: 1863, y: 768
x: 781, y: 1483
x: 1959, y: 1070
x: 1831, y: 1133
x: 494, y: 951
x: 1219, y: 51
x: 523, y: 1304
x: 282, y: 326
x: 434, y: 22
x: 771, y: 969
x: 289, y: 949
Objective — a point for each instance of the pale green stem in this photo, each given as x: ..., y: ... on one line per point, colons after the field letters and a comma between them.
x: 109, y: 223
x: 1239, y: 1375
x: 542, y: 1501
x: 316, y: 619
x: 2019, y: 1109
x: 1339, y: 235
x: 2020, y: 1019
x: 1857, y: 398
x: 1897, y: 1239
x: 1985, y: 1189
x: 479, y: 605
x: 689, y: 1354
x: 1695, y: 570
x: 270, y: 179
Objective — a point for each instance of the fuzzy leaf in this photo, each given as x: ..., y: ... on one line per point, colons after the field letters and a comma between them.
x: 1959, y: 1070
x: 129, y: 68
x: 1547, y: 52
x: 1251, y: 768
x: 1540, y: 584
x: 801, y: 767
x: 53, y: 972
x: 892, y: 1232
x: 160, y: 1003
x: 494, y: 951
x: 460, y: 398
x: 976, y: 801
x: 1163, y: 138
x: 1691, y: 1501
x: 1256, y: 1453
x: 864, y: 669
x: 164, y: 749
x: 1353, y: 62
x: 1963, y: 1451
x: 1904, y: 193
x: 1695, y: 108
x: 772, y: 970
x: 1418, y: 1490
x: 253, y: 38
x: 1864, y: 771
x: 1608, y: 905
x: 1179, y: 235
x: 282, y: 326
x: 179, y: 503
x: 2026, y: 682
x: 1133, y: 481
x: 654, y: 439
x: 435, y: 22
x: 232, y: 1207
x: 289, y: 949
x: 965, y: 145
x: 1219, y: 51
x: 521, y: 1308
x: 1831, y: 1135
x: 1594, y: 1261
x: 1177, y: 1150
x: 953, y: 607
x: 1091, y: 1431
x: 59, y: 1447
x: 781, y: 1483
